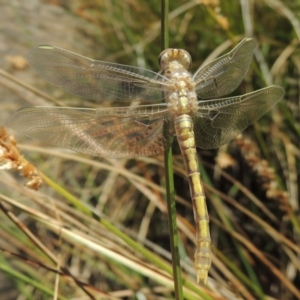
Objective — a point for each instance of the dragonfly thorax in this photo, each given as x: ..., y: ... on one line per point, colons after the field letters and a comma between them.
x: 182, y: 98
x: 182, y: 102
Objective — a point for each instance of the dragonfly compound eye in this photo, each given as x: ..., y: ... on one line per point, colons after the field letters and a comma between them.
x: 179, y: 55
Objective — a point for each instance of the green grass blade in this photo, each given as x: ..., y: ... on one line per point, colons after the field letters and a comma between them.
x: 170, y: 193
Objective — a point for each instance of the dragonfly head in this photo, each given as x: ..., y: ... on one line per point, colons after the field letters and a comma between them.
x: 179, y: 55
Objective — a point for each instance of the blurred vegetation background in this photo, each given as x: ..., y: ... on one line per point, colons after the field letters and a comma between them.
x: 53, y: 249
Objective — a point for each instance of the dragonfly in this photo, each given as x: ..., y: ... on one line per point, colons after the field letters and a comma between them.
x: 156, y: 107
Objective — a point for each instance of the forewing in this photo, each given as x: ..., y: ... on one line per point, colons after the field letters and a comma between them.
x: 113, y: 132
x: 223, y: 75
x: 94, y: 79
x: 219, y: 121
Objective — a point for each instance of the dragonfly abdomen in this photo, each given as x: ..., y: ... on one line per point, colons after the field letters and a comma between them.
x: 185, y: 135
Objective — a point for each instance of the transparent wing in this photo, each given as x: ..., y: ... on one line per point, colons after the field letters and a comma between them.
x: 219, y: 121
x: 94, y: 79
x: 113, y: 132
x: 223, y: 75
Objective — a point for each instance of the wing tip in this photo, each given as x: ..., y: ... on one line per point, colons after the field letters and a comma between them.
x: 280, y: 89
